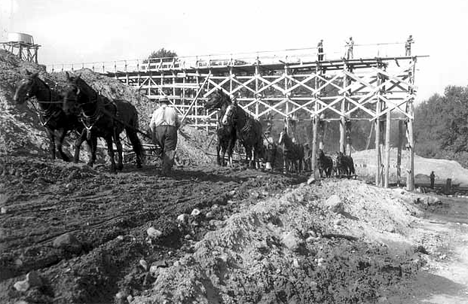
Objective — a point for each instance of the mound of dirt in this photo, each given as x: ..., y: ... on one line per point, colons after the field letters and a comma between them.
x: 302, y: 243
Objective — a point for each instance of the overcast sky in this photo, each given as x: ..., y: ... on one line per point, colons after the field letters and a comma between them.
x: 107, y: 30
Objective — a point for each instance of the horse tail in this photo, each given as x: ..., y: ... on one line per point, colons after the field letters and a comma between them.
x: 131, y: 131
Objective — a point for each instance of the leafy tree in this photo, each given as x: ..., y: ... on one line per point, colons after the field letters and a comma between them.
x: 441, y: 125
x: 166, y: 55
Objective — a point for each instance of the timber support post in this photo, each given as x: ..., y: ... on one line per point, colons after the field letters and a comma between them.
x: 378, y: 160
x: 343, y: 110
x: 315, y: 121
x: 387, y: 149
x: 410, y: 131
x: 400, y: 143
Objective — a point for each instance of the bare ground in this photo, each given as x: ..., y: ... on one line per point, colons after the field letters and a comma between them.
x: 259, y: 238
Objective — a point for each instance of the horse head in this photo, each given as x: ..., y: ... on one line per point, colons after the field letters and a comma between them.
x: 26, y: 87
x: 72, y: 96
x: 228, y: 117
x: 77, y: 94
x: 218, y: 100
x: 320, y: 153
x: 283, y: 135
x: 340, y: 158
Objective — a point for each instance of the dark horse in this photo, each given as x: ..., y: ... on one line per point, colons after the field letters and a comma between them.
x: 345, y: 164
x: 293, y: 153
x: 51, y: 114
x: 324, y: 164
x: 102, y: 118
x: 249, y: 132
x: 226, y: 133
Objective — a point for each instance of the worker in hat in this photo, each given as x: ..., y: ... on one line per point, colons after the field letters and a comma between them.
x: 349, y: 53
x: 164, y: 124
x: 408, y: 44
x: 320, y: 50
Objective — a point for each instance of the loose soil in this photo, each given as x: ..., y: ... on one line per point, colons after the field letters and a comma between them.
x: 259, y: 237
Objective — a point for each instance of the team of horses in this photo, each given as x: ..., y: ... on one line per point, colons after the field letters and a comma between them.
x: 235, y: 124
x: 81, y: 109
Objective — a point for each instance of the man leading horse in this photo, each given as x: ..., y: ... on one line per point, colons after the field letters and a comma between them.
x: 164, y: 124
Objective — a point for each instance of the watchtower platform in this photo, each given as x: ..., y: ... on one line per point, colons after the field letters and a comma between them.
x: 21, y: 45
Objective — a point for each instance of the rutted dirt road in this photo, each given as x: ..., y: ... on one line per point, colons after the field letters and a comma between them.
x: 445, y: 279
x: 109, y: 216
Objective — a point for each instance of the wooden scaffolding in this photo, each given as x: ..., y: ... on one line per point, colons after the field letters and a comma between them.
x: 293, y: 85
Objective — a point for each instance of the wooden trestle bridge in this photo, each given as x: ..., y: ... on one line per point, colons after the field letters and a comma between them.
x: 377, y: 85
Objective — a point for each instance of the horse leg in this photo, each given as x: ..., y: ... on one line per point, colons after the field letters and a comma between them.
x: 251, y: 159
x: 230, y: 150
x: 93, y: 149
x: 51, y: 136
x: 248, y: 153
x: 59, y: 145
x: 223, y: 155
x: 256, y: 159
x: 136, y: 145
x: 110, y: 152
x: 118, y: 145
x: 218, y: 154
x: 77, y: 145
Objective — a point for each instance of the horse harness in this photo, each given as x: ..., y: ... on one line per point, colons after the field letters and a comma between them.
x: 89, y: 121
x: 46, y: 115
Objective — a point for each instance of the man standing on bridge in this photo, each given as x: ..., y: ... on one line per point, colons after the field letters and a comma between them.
x: 320, y: 50
x: 408, y: 44
x: 164, y: 124
x: 349, y: 48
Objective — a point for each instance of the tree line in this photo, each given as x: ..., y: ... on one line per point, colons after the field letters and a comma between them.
x: 441, y: 126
